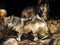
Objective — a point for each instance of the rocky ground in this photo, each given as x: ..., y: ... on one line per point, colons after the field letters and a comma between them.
x: 41, y: 42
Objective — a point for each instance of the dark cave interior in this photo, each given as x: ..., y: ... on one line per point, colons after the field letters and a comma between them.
x: 16, y: 6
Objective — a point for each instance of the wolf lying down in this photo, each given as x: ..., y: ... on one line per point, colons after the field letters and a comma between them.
x: 37, y: 26
x: 38, y: 30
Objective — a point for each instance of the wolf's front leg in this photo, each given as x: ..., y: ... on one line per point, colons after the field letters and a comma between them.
x: 35, y: 37
x: 19, y: 37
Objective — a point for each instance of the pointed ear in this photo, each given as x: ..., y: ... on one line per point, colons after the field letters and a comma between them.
x: 39, y: 1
